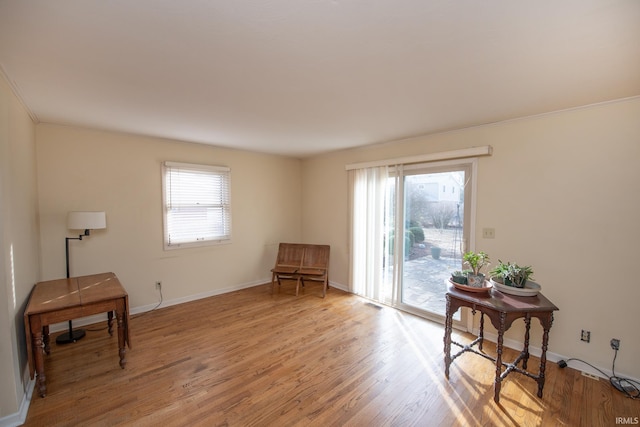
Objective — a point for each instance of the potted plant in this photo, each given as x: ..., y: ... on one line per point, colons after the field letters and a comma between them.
x: 435, y: 252
x: 511, y: 274
x: 460, y: 276
x: 475, y: 260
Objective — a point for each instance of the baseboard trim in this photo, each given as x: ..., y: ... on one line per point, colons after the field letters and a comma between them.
x: 18, y: 418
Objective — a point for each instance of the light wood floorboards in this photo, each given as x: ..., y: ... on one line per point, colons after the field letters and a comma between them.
x: 249, y: 358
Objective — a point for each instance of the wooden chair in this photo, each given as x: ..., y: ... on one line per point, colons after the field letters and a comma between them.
x: 288, y: 262
x: 302, y: 262
x: 315, y: 267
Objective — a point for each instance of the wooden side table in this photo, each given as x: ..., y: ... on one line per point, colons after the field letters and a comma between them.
x: 60, y: 300
x: 502, y: 310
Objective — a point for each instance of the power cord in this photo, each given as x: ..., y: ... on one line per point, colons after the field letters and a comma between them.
x: 154, y: 308
x: 625, y: 385
x: 631, y: 388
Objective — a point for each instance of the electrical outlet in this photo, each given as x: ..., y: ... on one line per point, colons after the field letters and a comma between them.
x: 615, y: 343
x: 159, y: 285
x: 585, y: 336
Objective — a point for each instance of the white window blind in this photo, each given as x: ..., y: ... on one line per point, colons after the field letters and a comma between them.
x: 197, y: 204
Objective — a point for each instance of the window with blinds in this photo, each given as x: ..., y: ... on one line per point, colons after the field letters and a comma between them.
x: 197, y: 207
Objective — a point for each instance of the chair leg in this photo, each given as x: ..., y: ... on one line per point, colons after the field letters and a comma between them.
x: 298, y: 284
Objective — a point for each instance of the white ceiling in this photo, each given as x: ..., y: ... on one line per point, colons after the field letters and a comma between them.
x: 301, y: 77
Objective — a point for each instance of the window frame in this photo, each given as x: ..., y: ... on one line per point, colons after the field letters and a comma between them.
x: 217, y: 170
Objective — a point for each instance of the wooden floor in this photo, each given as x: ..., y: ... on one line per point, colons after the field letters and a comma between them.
x: 249, y: 358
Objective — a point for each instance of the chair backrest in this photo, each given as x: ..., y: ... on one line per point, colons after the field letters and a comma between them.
x: 316, y: 256
x: 290, y: 254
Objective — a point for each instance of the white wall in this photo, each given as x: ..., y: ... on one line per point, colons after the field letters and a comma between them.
x: 571, y: 179
x: 19, y: 252
x: 81, y: 169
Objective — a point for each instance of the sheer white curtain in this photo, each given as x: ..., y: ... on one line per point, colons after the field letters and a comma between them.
x: 376, y: 206
x: 371, y: 208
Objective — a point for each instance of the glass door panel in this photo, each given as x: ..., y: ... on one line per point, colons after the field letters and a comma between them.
x: 434, y: 235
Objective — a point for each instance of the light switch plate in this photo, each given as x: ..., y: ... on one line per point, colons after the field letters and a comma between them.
x: 488, y: 233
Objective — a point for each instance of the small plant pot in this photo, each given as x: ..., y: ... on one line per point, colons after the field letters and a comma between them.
x: 435, y: 253
x: 475, y: 280
x: 459, y: 279
x: 509, y: 282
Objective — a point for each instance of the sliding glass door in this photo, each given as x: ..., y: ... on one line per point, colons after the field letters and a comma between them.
x: 410, y: 227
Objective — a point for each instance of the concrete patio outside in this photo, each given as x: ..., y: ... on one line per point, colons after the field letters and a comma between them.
x: 424, y: 276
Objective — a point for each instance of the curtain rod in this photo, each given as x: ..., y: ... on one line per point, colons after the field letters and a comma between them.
x: 485, y: 150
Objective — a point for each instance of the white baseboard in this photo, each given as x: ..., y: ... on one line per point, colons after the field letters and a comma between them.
x: 19, y: 417
x: 339, y: 286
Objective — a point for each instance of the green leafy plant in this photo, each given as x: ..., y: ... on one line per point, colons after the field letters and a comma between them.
x: 418, y: 234
x: 410, y: 237
x: 476, y: 260
x: 511, y: 274
x: 460, y: 276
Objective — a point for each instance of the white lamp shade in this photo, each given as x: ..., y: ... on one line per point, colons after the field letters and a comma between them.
x: 86, y: 220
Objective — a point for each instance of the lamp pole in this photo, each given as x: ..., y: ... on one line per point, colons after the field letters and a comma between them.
x: 71, y: 335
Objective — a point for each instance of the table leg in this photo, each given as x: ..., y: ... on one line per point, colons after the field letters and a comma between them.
x: 498, y: 384
x: 38, y: 357
x: 45, y: 339
x: 546, y: 325
x: 110, y: 322
x: 481, y: 334
x: 527, y: 323
x: 448, y: 325
x: 120, y: 314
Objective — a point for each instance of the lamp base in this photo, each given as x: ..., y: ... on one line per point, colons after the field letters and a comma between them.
x: 67, y: 339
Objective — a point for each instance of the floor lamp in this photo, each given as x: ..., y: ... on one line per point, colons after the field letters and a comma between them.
x: 86, y: 221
